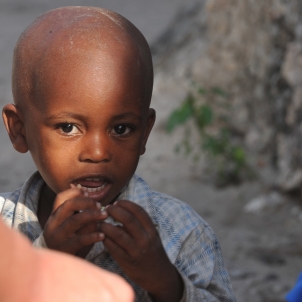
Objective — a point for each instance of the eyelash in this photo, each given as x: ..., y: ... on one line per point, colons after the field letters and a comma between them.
x: 129, y: 129
x: 62, y: 125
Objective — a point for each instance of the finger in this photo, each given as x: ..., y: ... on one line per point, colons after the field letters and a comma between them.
x: 71, y: 206
x: 114, y: 249
x: 80, y: 241
x: 129, y: 221
x: 65, y: 195
x: 118, y: 236
x: 79, y: 220
x: 89, y: 227
x: 138, y: 212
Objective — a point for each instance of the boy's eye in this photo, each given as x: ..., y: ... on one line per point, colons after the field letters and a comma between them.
x: 68, y: 128
x: 121, y: 129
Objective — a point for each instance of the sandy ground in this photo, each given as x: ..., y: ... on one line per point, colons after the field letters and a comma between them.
x: 263, y: 249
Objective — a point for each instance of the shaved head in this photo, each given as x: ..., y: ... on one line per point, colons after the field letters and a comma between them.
x: 69, y: 35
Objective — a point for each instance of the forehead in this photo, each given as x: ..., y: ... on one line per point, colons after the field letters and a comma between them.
x: 89, y: 79
x: 83, y: 48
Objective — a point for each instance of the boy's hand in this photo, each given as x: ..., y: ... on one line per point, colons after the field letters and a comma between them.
x: 72, y: 224
x: 137, y: 248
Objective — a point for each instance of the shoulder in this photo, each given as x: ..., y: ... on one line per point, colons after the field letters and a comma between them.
x: 165, y: 207
x: 176, y: 220
x: 8, y: 201
x: 4, y: 195
x: 176, y: 209
x: 12, y: 196
x: 179, y: 220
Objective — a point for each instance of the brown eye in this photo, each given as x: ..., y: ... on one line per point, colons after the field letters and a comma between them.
x: 68, y: 128
x: 120, y: 129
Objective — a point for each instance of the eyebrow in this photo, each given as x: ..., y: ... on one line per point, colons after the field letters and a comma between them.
x: 83, y: 117
x: 65, y: 114
x: 128, y: 115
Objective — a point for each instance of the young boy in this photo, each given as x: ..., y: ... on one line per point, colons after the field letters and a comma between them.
x: 82, y: 84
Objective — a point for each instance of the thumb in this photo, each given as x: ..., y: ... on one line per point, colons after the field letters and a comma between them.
x: 65, y: 195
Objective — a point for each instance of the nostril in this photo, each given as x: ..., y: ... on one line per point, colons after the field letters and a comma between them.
x: 95, y: 155
x: 95, y: 148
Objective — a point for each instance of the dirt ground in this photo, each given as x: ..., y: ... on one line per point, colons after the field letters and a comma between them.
x: 262, y: 248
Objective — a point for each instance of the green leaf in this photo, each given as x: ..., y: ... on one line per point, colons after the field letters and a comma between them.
x: 204, y: 116
x: 224, y: 133
x: 201, y: 91
x: 239, y: 155
x: 180, y: 115
x: 219, y: 91
x: 210, y: 144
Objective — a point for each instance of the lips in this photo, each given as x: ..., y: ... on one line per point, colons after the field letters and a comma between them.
x: 91, y: 184
x: 96, y: 187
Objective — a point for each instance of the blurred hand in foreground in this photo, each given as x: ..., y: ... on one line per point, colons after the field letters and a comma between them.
x: 39, y: 275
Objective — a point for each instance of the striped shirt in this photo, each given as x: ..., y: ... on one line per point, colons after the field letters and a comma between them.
x: 188, y: 240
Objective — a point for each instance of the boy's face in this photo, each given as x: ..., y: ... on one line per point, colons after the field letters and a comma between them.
x: 88, y: 125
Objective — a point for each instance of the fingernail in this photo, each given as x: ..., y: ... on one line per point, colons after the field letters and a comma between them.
x: 79, y: 186
x: 107, y: 206
x: 115, y: 202
x: 101, y: 235
x: 98, y: 204
x: 72, y: 186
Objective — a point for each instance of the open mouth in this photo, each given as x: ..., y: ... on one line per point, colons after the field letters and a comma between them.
x: 96, y: 187
x: 91, y: 189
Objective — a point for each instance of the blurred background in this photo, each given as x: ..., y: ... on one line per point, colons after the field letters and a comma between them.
x: 228, y: 135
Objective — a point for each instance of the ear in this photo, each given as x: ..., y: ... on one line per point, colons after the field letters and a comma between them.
x: 149, y: 126
x: 13, y: 122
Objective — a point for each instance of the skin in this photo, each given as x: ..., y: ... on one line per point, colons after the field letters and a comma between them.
x: 87, y: 123
x: 53, y: 276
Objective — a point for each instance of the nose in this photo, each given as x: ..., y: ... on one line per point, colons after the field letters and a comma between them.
x: 95, y: 148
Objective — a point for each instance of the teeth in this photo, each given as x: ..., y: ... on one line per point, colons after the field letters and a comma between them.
x: 92, y: 179
x: 86, y: 189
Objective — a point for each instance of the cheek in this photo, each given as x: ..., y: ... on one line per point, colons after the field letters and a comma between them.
x: 47, y: 153
x: 127, y: 152
x: 127, y: 158
x: 54, y: 165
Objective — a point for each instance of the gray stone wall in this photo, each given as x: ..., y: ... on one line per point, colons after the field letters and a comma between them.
x: 253, y: 50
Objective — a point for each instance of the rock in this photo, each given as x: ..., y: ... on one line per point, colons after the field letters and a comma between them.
x: 293, y: 181
x: 240, y: 274
x: 263, y: 202
x: 253, y: 51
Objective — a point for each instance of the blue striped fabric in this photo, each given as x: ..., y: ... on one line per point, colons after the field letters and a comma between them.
x: 189, y: 241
